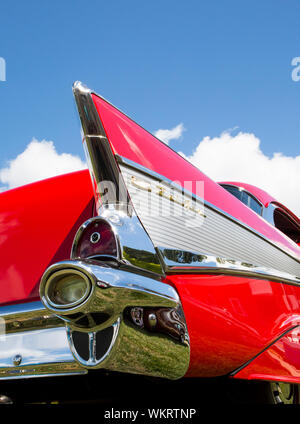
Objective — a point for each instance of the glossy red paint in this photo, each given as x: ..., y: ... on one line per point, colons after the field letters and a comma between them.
x: 131, y: 141
x: 37, y: 225
x: 232, y: 319
x: 280, y: 362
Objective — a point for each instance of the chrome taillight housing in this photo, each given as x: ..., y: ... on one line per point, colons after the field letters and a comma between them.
x: 95, y: 238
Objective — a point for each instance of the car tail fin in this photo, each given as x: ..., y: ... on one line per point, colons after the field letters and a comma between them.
x: 107, y: 182
x: 113, y: 202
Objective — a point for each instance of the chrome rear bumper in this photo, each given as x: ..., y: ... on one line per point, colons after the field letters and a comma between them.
x: 33, y: 343
x: 129, y: 322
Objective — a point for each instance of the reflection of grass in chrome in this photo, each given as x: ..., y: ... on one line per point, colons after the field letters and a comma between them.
x: 141, y: 352
x: 142, y: 259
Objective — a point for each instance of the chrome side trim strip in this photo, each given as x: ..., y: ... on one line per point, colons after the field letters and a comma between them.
x: 22, y: 308
x: 160, y: 178
x: 182, y: 262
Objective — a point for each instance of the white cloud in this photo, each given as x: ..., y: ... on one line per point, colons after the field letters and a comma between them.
x: 38, y: 161
x: 240, y: 158
x: 167, y: 135
x: 227, y: 157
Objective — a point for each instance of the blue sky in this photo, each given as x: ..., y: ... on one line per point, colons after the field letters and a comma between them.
x: 210, y: 65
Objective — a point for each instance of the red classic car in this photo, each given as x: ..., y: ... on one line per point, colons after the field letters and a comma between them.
x: 153, y: 269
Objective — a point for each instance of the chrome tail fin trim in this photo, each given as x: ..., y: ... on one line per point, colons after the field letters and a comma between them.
x: 112, y: 198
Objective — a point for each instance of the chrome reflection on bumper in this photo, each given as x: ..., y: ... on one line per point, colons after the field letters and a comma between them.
x: 111, y: 194
x: 130, y: 322
x: 33, y: 343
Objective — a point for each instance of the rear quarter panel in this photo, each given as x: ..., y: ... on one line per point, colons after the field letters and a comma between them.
x: 37, y: 225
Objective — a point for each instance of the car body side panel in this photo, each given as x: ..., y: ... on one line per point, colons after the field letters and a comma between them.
x: 37, y: 225
x: 231, y: 319
x: 280, y: 362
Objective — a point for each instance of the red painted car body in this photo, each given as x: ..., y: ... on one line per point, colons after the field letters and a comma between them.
x: 232, y: 320
x: 38, y: 225
x: 239, y: 324
x: 228, y: 317
x: 264, y: 197
x: 277, y: 362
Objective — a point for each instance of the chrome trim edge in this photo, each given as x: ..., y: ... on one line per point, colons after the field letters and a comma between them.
x: 111, y: 194
x: 196, y: 263
x: 27, y: 317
